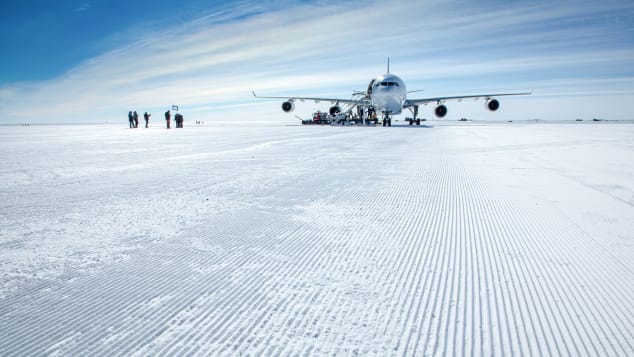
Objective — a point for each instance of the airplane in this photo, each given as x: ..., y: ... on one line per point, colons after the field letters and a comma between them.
x: 387, y: 94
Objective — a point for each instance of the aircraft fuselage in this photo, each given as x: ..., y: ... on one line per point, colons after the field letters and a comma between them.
x: 388, y: 93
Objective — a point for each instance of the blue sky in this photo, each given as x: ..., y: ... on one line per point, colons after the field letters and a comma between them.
x: 93, y: 60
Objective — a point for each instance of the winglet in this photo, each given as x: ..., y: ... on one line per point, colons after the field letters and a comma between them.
x: 254, y: 94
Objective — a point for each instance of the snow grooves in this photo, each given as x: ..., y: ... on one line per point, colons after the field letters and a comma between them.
x: 398, y: 255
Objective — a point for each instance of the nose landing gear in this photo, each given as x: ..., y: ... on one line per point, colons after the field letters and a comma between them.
x: 387, y: 119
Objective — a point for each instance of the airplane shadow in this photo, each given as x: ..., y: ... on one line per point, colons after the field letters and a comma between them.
x: 397, y: 126
x: 422, y: 126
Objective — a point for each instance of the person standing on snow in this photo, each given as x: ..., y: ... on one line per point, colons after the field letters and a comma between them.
x: 146, y: 116
x: 136, y: 119
x: 131, y: 119
x: 167, y: 118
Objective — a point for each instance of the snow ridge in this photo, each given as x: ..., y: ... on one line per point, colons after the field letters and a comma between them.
x: 310, y: 244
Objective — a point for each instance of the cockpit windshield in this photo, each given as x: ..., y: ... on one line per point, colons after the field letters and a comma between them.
x: 389, y: 84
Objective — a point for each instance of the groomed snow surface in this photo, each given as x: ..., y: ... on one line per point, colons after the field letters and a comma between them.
x: 502, y: 239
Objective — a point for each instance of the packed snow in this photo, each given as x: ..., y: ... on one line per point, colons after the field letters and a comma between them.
x: 462, y: 239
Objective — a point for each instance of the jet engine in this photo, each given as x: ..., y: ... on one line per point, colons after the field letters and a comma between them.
x: 441, y: 111
x: 334, y: 110
x: 288, y: 106
x: 493, y: 104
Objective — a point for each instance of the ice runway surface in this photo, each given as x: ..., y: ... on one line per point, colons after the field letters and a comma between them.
x: 269, y: 239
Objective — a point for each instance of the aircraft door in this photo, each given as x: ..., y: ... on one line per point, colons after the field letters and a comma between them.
x: 369, y: 91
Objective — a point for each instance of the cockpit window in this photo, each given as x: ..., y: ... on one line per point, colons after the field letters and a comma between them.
x: 389, y: 84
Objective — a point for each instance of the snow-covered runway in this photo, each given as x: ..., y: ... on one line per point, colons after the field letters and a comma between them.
x: 270, y: 239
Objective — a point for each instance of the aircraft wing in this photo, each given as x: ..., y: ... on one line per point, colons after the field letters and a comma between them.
x: 411, y: 102
x: 317, y: 100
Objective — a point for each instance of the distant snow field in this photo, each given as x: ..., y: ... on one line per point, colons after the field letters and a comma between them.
x: 505, y: 239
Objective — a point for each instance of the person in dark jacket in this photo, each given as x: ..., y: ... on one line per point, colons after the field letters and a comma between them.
x: 131, y: 119
x: 146, y: 116
x: 168, y: 116
x: 136, y: 119
x: 179, y: 120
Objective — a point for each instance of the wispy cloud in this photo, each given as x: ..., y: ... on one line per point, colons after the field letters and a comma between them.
x: 83, y: 7
x: 330, y: 49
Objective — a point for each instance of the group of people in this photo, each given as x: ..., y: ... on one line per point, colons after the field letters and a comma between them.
x: 133, y: 118
x: 178, y: 118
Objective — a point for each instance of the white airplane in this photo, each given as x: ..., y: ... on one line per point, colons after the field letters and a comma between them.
x: 387, y: 94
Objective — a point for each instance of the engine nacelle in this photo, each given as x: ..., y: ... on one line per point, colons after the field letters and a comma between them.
x: 441, y: 111
x: 493, y: 105
x: 288, y: 106
x: 334, y: 110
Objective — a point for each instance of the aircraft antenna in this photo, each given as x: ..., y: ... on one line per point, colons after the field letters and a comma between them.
x: 388, y: 65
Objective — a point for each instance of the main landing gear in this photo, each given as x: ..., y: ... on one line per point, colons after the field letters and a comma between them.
x: 416, y: 120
